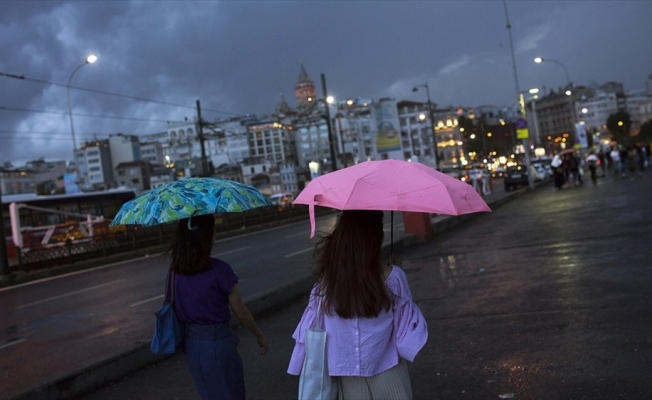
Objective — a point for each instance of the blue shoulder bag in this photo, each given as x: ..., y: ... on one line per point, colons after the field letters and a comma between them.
x: 168, y: 334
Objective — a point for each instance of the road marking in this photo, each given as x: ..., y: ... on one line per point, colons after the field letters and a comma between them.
x: 221, y: 253
x: 12, y: 343
x: 69, y: 294
x: 160, y: 296
x: 83, y: 271
x: 298, y: 252
x: 306, y: 233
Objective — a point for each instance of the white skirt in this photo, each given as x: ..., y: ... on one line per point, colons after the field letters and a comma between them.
x: 393, y: 384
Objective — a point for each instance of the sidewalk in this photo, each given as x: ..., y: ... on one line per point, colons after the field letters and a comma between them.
x: 133, y: 361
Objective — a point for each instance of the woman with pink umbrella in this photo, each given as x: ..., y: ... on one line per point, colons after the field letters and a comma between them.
x: 373, y: 326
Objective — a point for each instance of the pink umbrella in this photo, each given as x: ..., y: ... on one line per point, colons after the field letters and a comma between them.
x: 391, y: 185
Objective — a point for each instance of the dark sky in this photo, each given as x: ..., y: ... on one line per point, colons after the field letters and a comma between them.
x: 237, y: 56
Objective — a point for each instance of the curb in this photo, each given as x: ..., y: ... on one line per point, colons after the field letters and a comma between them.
x: 114, y: 368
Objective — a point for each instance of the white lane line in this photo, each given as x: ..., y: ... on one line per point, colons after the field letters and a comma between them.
x: 306, y: 234
x: 221, y: 253
x: 159, y: 297
x: 298, y: 252
x: 12, y: 343
x: 69, y: 294
x: 84, y: 271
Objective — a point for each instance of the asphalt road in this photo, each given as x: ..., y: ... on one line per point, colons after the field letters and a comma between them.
x: 548, y: 297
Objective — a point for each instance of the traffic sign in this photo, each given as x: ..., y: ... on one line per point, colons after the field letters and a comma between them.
x: 521, y: 123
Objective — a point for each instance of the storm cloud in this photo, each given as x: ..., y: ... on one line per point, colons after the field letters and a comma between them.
x: 156, y: 58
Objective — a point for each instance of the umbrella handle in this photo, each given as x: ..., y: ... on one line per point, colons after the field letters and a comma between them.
x: 391, y: 235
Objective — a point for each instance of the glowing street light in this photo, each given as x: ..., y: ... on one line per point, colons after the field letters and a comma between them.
x: 89, y: 60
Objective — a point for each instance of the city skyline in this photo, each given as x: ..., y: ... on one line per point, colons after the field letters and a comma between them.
x: 236, y: 58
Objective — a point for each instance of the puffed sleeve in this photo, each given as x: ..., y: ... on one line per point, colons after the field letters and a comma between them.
x: 410, y: 328
x: 307, y: 320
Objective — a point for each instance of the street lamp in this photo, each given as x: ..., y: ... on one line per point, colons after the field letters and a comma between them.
x: 432, y: 119
x: 89, y: 60
x: 539, y: 60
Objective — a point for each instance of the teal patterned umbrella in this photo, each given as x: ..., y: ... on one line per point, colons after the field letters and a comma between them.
x: 189, y: 197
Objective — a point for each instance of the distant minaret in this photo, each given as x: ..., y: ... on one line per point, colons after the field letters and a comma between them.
x: 282, y: 107
x: 305, y: 90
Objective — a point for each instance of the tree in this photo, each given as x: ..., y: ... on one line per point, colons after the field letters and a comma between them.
x: 645, y: 134
x: 619, y: 125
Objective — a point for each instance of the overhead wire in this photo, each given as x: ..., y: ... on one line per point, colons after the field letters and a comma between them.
x: 42, y: 81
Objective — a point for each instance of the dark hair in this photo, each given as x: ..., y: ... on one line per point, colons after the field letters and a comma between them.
x: 348, y: 266
x: 191, y: 248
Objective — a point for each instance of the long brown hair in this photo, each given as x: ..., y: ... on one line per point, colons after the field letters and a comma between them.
x: 191, y: 248
x: 348, y: 266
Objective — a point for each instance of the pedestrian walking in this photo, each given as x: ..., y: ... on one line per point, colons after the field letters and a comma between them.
x: 574, y: 170
x: 205, y: 288
x: 592, y: 161
x: 602, y: 161
x: 615, y: 157
x: 558, y: 171
x: 373, y: 327
x: 623, y: 153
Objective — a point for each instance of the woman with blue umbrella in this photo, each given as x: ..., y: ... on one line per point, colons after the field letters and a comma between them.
x: 203, y: 289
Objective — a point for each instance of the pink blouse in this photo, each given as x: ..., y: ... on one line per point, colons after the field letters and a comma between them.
x: 366, y: 346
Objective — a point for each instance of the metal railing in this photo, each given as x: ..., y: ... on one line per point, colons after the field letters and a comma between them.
x: 143, y: 237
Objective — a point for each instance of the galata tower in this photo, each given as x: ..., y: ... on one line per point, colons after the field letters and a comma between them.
x: 304, y: 90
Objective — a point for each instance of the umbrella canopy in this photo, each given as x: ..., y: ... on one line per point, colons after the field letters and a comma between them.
x: 567, y: 151
x: 187, y: 197
x: 391, y: 185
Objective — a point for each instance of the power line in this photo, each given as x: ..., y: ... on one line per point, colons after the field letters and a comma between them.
x: 3, y: 108
x: 124, y: 96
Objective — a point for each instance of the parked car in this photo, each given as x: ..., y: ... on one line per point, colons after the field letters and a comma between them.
x: 497, y: 172
x: 539, y: 173
x: 543, y: 166
x: 453, y: 172
x: 282, y: 200
x: 515, y: 176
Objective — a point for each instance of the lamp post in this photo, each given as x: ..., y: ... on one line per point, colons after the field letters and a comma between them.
x: 432, y: 119
x: 89, y: 60
x: 329, y: 125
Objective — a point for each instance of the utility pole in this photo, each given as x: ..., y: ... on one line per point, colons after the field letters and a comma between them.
x: 519, y: 96
x: 329, y: 124
x: 4, y: 265
x: 200, y: 134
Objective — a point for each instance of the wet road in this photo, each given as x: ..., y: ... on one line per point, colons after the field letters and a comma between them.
x: 548, y: 297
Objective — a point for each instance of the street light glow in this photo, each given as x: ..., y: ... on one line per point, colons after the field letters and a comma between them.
x: 585, y: 110
x: 91, y: 59
x: 330, y: 99
x: 568, y: 93
x: 534, y: 90
x: 538, y: 60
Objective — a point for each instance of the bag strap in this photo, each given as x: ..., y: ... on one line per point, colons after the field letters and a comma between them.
x: 317, y: 323
x: 169, y: 289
